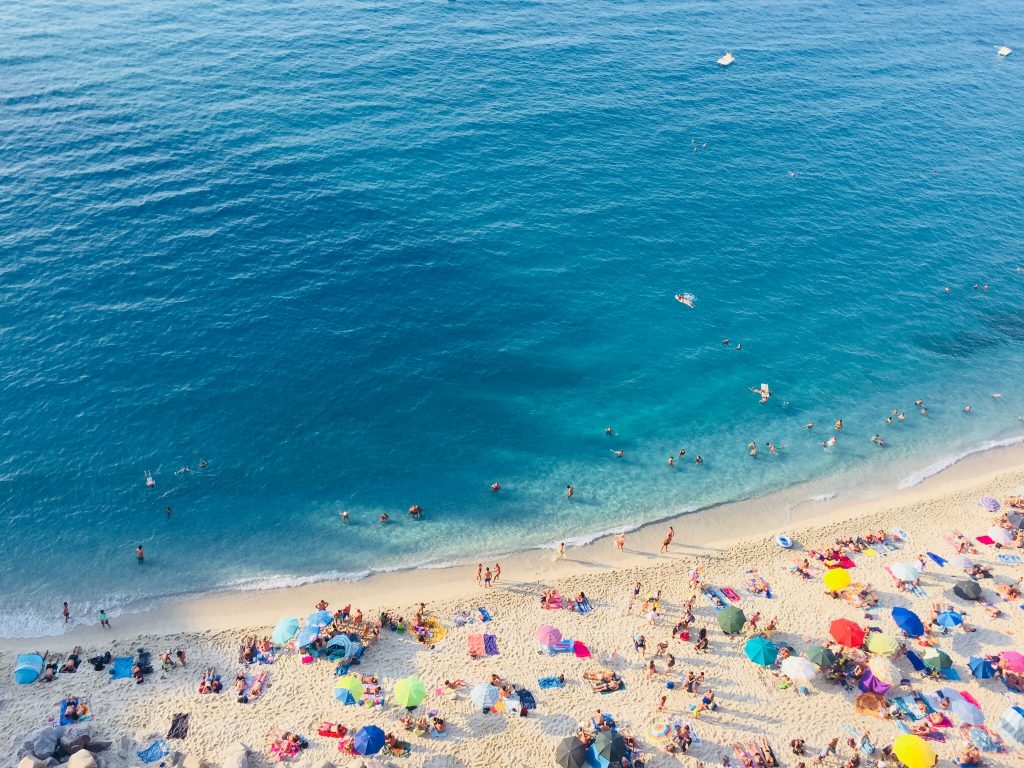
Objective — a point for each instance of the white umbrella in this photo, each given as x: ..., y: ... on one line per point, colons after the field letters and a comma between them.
x: 885, y: 670
x: 484, y: 695
x: 1000, y: 535
x: 798, y: 669
x: 906, y: 571
x: 962, y: 562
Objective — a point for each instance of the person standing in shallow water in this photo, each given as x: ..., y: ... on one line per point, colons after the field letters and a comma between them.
x: 67, y: 612
x: 140, y: 555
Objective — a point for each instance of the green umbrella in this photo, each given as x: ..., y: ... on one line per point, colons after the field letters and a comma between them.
x: 409, y: 692
x: 761, y: 650
x: 731, y: 620
x: 820, y: 655
x: 937, y: 659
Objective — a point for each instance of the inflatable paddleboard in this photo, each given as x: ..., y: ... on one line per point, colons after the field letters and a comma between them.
x: 784, y: 541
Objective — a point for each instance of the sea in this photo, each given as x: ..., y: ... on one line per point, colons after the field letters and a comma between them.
x: 360, y: 255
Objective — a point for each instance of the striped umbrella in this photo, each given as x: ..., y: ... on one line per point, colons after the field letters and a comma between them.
x: 658, y: 731
x: 987, y: 502
x: 962, y: 562
x: 885, y: 670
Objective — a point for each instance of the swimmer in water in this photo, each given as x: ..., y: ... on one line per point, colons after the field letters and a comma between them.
x: 671, y: 461
x: 772, y: 449
x: 384, y: 517
x: 344, y: 516
x: 924, y: 411
x: 996, y: 395
x: 183, y: 470
x: 878, y: 441
x: 618, y: 452
x: 752, y: 449
x: 203, y: 464
x: 682, y: 452
x: 150, y: 482
x: 495, y: 487
x: 609, y: 431
x: 416, y: 511
x: 739, y: 346
x: 946, y: 289
x: 699, y: 459
x: 569, y: 491
x: 809, y: 425
x: 839, y: 423
x: 830, y: 442
x: 888, y: 420
x: 919, y: 403
x: 725, y: 341
x: 967, y: 409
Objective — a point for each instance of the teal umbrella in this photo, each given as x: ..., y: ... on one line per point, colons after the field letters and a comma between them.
x: 937, y: 659
x: 285, y: 630
x: 731, y: 620
x: 761, y: 650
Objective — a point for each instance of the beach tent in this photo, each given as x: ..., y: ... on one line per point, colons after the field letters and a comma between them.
x: 285, y: 630
x: 761, y: 651
x: 484, y: 695
x: 913, y: 751
x: 608, y: 749
x: 836, y: 579
x: 1011, y: 725
x: 409, y: 692
x: 820, y: 655
x: 368, y: 740
x: 882, y: 644
x: 548, y: 635
x: 981, y: 668
x: 936, y: 659
x: 348, y: 689
x: 319, y: 619
x: 571, y: 753
x: 908, y: 621
x: 968, y: 590
x: 846, y: 632
x: 28, y: 668
x: 731, y: 619
x: 798, y: 669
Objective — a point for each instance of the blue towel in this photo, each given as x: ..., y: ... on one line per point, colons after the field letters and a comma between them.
x: 154, y: 751
x: 526, y: 699
x: 484, y: 614
x: 1010, y: 559
x: 549, y: 682
x: 584, y: 607
x: 915, y: 661
x: 565, y: 645
x: 122, y: 667
x: 939, y: 561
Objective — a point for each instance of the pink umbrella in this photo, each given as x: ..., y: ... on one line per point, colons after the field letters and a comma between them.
x: 1012, y: 661
x: 548, y: 635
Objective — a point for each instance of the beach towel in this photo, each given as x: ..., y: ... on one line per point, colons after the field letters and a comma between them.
x: 865, y: 746
x: 717, y: 592
x: 583, y: 606
x: 330, y: 733
x: 711, y: 599
x: 122, y: 667
x: 475, y: 644
x: 82, y: 704
x: 154, y: 751
x: 845, y: 562
x: 870, y: 552
x: 939, y: 561
x: 565, y: 645
x: 622, y: 687
x: 678, y: 722
x: 546, y: 683
x: 484, y: 614
x: 903, y: 726
x: 730, y: 593
x: 179, y: 726
x: 526, y: 699
x: 988, y: 541
x: 491, y: 645
x: 908, y: 706
x: 581, y: 651
x: 1010, y: 559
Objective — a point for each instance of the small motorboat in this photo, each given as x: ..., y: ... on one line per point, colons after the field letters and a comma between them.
x: 726, y: 60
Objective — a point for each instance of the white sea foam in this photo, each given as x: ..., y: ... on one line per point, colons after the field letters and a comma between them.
x: 943, y: 464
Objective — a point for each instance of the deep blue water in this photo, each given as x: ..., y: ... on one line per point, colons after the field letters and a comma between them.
x: 360, y: 255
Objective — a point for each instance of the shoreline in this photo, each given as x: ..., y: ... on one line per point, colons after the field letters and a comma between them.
x: 784, y: 511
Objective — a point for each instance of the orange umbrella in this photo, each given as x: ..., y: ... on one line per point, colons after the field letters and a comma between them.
x: 846, y: 632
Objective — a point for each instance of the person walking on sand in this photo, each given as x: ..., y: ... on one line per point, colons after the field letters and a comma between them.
x: 560, y: 552
x: 620, y: 542
x: 497, y: 572
x: 67, y: 612
x: 479, y: 574
x: 668, y: 539
x: 139, y: 555
x: 104, y: 621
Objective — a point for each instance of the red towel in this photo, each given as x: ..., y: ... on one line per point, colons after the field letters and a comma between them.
x: 581, y: 651
x: 475, y: 644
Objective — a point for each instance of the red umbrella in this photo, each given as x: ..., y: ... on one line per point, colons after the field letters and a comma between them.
x: 846, y: 632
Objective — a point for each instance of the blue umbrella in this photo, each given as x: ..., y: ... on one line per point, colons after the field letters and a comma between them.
x: 908, y: 621
x: 949, y: 619
x: 284, y: 631
x: 368, y: 740
x: 319, y: 619
x: 981, y: 668
x: 306, y: 636
x: 484, y: 695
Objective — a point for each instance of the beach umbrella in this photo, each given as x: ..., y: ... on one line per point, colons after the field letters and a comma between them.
x: 344, y: 644
x: 610, y: 747
x: 284, y: 631
x: 870, y: 704
x: 868, y: 683
x: 1012, y: 661
x: 967, y: 712
x: 820, y: 655
x: 798, y: 669
x: 731, y: 619
x: 846, y: 632
x: 968, y: 590
x: 1000, y: 535
x: 981, y: 668
x: 1017, y: 519
x: 548, y: 635
x: 484, y: 695
x: 908, y: 621
x: 319, y: 619
x: 884, y: 669
x: 949, y: 619
x: 987, y: 502
x: 906, y: 571
x: 836, y: 579
x: 571, y: 753
x: 937, y: 659
x: 306, y: 636
x: 348, y: 689
x: 883, y: 644
x: 658, y: 731
x: 913, y: 751
x: 409, y: 692
x: 962, y: 561
x: 1011, y: 725
x: 368, y: 740
x: 761, y: 650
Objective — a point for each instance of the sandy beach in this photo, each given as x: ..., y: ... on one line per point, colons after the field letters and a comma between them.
x: 724, y: 543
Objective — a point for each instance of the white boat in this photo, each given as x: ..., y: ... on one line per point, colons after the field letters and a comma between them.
x: 726, y: 60
x: 1005, y: 50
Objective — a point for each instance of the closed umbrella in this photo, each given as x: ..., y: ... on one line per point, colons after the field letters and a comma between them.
x: 968, y: 590
x: 884, y: 669
x: 409, y: 692
x: 571, y: 753
x: 906, y: 571
x: 937, y: 659
x: 836, y: 579
x: 1012, y: 661
x: 484, y: 695
x: 962, y: 561
x: 1011, y: 725
x: 369, y: 740
x: 949, y: 619
x: 882, y: 644
x: 610, y: 747
x: 761, y: 650
x: 319, y: 619
x: 913, y: 751
x: 548, y: 635
x: 981, y: 668
x: 908, y: 621
x: 846, y: 632
x: 987, y: 502
x: 731, y: 619
x: 820, y: 655
x: 1000, y: 535
x: 348, y: 689
x: 798, y: 669
x: 284, y: 631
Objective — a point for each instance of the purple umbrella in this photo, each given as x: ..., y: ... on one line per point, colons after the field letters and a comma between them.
x: 989, y: 503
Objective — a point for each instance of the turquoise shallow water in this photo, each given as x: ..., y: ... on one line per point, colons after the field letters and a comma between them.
x: 361, y: 255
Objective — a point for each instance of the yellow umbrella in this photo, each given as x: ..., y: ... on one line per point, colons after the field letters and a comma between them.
x: 914, y: 752
x: 882, y: 644
x: 836, y: 579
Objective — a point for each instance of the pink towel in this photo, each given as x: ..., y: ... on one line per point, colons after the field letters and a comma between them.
x: 970, y: 699
x: 581, y: 651
x: 988, y: 541
x: 475, y: 644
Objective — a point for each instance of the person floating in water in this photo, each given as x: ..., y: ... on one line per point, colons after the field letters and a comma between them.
x: 830, y: 442
x: 169, y: 513
x: 619, y: 453
x: 569, y: 491
x: 609, y: 431
x: 878, y: 441
x: 344, y: 516
x: 150, y: 482
x: 495, y: 487
x: 752, y: 449
x: 203, y: 464
x: 383, y: 517
x: 416, y: 511
x: 772, y: 449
